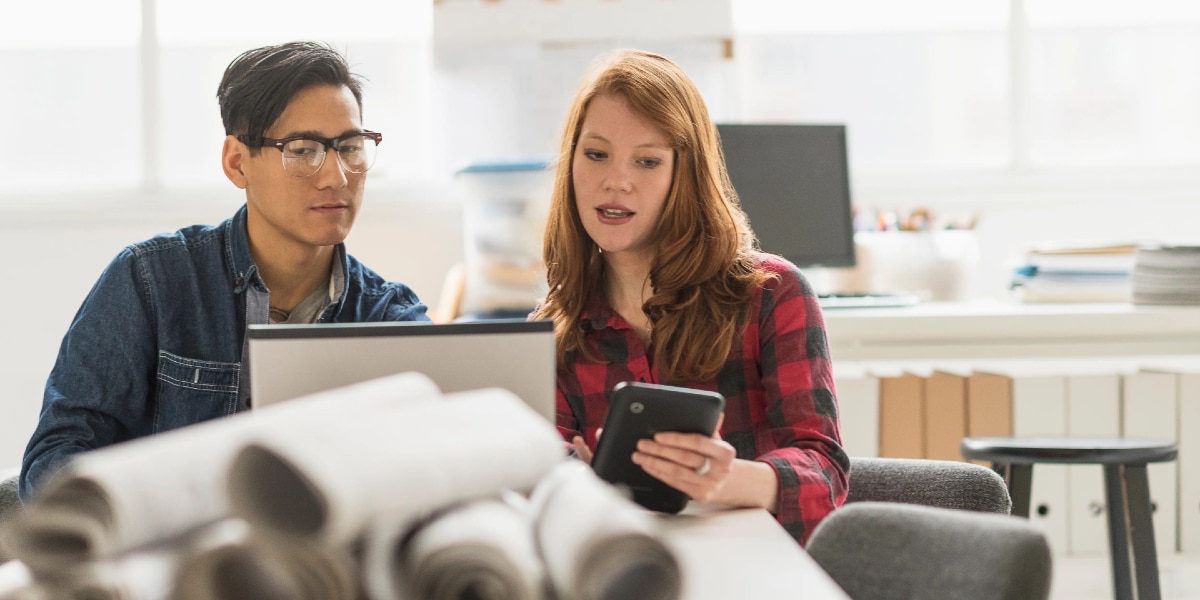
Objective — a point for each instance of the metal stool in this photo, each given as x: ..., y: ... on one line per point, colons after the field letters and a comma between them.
x: 1130, y: 530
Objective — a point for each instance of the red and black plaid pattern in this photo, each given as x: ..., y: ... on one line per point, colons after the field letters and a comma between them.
x: 780, y: 405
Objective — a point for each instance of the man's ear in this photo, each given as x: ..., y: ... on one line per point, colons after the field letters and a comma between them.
x: 233, y: 155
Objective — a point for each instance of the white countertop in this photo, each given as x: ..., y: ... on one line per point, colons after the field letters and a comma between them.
x: 1005, y: 329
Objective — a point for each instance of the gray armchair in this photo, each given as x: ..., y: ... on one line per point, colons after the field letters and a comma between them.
x: 937, y: 483
x: 10, y: 505
x: 894, y: 551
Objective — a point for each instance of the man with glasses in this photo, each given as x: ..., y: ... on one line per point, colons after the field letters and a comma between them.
x: 160, y: 340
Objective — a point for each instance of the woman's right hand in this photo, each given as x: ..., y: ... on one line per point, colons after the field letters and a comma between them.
x: 582, y: 452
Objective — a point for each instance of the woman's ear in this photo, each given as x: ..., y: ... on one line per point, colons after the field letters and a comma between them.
x: 233, y: 155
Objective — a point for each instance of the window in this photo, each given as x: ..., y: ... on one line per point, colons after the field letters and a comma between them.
x: 122, y: 95
x: 1000, y: 86
x: 505, y: 101
x: 104, y: 107
x: 385, y: 41
x: 921, y: 85
x: 1114, y: 83
x: 71, y: 104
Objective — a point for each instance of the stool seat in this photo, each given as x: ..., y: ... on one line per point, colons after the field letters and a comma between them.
x: 1092, y: 451
x: 1126, y: 490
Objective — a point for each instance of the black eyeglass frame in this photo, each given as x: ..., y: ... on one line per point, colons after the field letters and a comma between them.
x: 328, y: 143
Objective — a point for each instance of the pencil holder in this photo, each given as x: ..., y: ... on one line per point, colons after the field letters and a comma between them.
x: 934, y: 265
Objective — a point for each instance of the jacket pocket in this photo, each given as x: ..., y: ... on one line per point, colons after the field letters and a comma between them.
x: 192, y: 390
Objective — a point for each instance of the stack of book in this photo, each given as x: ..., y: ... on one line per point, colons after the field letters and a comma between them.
x: 1075, y: 272
x: 1167, y: 275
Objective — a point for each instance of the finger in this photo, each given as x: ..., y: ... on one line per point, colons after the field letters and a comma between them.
x: 717, y: 430
x: 581, y: 449
x: 701, y: 444
x: 684, y: 479
x: 691, y: 459
x: 692, y: 454
x: 670, y: 472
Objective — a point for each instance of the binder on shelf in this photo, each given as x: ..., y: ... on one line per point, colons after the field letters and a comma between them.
x: 1037, y: 407
x: 1093, y: 410
x: 858, y: 408
x: 1149, y: 408
x: 901, y: 413
x: 989, y: 406
x: 1187, y: 465
x: 945, y: 413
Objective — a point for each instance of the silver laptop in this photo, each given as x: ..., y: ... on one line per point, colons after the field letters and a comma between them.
x: 289, y: 361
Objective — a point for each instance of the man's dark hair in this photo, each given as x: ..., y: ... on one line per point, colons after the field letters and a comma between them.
x: 259, y: 83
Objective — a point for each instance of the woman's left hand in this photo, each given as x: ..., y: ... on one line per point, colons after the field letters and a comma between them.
x: 695, y: 464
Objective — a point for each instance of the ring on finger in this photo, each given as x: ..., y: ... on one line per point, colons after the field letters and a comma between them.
x: 704, y: 468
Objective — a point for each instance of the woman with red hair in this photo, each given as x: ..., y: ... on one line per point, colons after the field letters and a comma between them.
x: 654, y: 276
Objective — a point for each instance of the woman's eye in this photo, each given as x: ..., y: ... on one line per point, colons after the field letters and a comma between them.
x: 594, y: 154
x: 650, y: 163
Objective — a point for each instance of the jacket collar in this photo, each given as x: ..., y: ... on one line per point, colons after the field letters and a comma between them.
x: 242, y: 270
x: 237, y: 253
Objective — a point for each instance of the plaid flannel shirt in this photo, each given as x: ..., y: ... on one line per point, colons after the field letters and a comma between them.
x: 780, y: 406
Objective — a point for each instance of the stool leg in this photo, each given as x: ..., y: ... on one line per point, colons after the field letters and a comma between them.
x: 1131, y: 533
x: 1019, y: 479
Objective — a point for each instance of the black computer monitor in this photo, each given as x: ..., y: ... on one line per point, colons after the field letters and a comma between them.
x: 794, y: 184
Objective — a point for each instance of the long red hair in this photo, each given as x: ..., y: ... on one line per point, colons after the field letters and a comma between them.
x: 704, y: 268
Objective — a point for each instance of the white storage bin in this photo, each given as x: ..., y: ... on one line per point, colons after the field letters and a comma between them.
x: 504, y: 217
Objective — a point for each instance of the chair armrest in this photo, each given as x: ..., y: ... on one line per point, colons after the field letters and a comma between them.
x: 10, y: 505
x: 938, y: 483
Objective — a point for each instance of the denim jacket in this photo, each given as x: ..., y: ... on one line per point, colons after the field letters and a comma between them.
x: 158, y: 343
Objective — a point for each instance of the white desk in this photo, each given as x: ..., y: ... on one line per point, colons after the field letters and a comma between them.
x: 724, y: 555
x: 743, y: 553
x: 994, y: 329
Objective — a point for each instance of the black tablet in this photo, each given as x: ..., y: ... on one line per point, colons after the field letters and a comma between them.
x: 638, y: 411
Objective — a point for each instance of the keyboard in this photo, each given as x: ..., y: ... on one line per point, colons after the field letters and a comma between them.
x: 829, y: 301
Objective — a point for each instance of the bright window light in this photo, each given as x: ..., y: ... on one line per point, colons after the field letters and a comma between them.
x: 91, y: 24
x: 259, y: 22
x: 1111, y: 13
x: 841, y: 16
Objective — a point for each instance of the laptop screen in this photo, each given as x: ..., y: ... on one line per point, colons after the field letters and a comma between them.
x: 289, y: 361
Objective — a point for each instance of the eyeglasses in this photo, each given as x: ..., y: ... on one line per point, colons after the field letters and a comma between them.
x: 304, y: 155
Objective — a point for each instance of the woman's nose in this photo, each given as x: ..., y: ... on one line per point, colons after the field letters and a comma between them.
x: 617, y: 179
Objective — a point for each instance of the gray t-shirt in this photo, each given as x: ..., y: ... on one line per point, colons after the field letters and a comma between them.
x: 310, y: 308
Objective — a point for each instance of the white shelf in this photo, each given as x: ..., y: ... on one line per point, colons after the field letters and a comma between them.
x: 1007, y: 330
